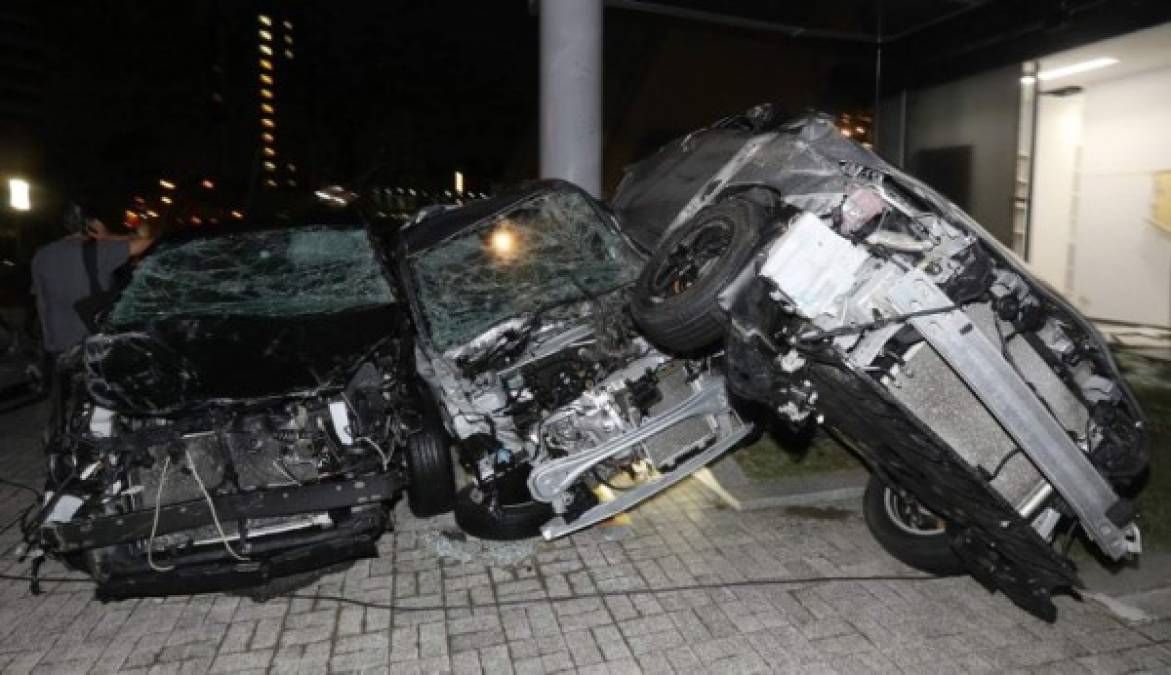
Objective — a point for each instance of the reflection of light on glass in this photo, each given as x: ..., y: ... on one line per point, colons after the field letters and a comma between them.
x: 503, y: 242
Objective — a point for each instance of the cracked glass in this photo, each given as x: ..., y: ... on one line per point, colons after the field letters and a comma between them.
x: 551, y: 249
x: 264, y: 273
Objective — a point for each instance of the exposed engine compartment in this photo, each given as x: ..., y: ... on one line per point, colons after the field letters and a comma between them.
x: 556, y: 393
x: 228, y: 495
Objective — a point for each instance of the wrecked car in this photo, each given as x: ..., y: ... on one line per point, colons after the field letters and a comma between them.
x: 550, y: 392
x: 840, y: 289
x: 242, y: 417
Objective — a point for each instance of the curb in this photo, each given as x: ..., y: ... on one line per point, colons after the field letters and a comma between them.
x: 727, y: 481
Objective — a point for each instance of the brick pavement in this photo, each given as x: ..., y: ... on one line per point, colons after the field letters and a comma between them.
x: 678, y: 591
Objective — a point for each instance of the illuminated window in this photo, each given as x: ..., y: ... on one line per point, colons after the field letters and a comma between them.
x: 270, y: 182
x: 269, y: 152
x: 288, y: 53
x: 289, y: 40
x: 265, y: 35
x: 267, y: 108
x: 265, y: 78
x: 266, y: 93
x: 291, y: 167
x: 237, y: 215
x: 165, y: 199
x: 265, y: 64
x: 208, y: 184
x: 267, y: 123
x: 267, y: 137
x: 266, y: 50
x: 287, y: 24
x: 269, y: 166
x: 292, y: 183
x: 166, y: 184
x: 264, y: 20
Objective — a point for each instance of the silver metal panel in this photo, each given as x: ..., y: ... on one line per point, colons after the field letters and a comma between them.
x: 559, y: 528
x: 550, y: 480
x: 1012, y: 402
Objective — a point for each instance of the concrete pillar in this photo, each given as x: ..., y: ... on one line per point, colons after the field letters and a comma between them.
x: 571, y: 92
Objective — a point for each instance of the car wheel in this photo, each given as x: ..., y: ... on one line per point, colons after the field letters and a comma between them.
x: 430, y: 475
x: 909, y: 532
x: 519, y: 517
x: 674, y: 300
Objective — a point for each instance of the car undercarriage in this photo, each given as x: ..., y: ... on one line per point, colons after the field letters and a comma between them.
x: 866, y: 301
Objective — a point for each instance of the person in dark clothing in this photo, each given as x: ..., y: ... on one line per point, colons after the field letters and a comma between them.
x: 65, y: 273
x: 62, y: 277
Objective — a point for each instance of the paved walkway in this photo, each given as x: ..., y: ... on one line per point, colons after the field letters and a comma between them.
x: 686, y: 587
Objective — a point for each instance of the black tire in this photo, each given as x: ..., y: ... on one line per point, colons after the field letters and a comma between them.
x: 674, y: 299
x: 430, y: 474
x: 520, y: 520
x: 924, y: 549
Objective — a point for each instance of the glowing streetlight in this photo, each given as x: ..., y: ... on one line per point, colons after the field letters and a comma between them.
x: 459, y: 182
x: 19, y: 194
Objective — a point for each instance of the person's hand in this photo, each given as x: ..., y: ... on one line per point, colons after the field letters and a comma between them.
x: 96, y: 229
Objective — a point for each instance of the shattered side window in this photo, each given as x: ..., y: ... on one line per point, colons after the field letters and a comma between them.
x: 550, y: 249
x: 267, y: 273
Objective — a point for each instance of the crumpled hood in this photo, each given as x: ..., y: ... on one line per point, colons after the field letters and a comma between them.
x: 189, y: 363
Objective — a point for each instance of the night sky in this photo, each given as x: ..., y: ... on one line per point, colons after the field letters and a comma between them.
x: 391, y: 93
x: 115, y: 94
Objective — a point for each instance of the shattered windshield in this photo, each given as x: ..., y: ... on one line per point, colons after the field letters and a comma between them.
x: 550, y: 249
x: 266, y: 273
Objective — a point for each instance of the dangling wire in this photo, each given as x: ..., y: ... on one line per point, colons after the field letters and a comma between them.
x: 150, y: 544
x: 211, y: 505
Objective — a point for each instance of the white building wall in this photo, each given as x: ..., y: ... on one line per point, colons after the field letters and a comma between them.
x: 1121, y: 262
x: 1059, y: 142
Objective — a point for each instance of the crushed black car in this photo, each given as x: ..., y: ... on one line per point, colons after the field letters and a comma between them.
x: 242, y: 416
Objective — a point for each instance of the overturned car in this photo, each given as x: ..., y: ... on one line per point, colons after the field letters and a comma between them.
x: 841, y: 289
x: 241, y: 418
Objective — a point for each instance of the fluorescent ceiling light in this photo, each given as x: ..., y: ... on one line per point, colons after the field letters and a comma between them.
x: 18, y: 194
x: 1075, y: 68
